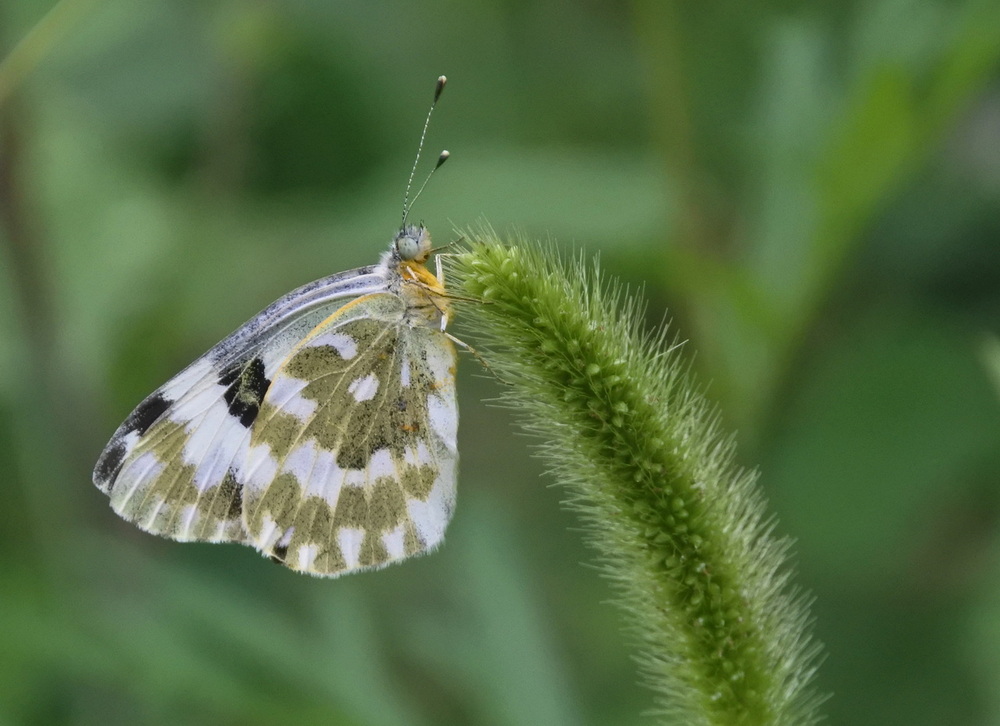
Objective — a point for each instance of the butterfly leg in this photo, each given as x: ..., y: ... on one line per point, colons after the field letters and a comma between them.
x: 482, y: 361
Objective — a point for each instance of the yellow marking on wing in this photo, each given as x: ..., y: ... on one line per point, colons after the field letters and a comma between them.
x: 346, y: 306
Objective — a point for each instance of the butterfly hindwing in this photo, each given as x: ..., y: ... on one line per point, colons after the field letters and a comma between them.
x: 352, y: 459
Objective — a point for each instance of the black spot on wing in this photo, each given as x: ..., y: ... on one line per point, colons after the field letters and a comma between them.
x: 279, y: 553
x: 146, y: 414
x: 231, y: 374
x: 245, y: 385
x: 109, y: 465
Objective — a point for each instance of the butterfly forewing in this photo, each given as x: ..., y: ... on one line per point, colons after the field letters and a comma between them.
x: 171, y: 467
x: 352, y: 460
x: 176, y: 478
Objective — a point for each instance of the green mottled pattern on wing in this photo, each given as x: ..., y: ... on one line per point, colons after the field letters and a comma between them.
x: 157, y: 491
x: 381, y: 440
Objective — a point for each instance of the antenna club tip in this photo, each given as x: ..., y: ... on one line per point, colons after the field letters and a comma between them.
x: 442, y: 158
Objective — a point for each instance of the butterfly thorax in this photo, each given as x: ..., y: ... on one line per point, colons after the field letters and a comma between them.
x: 424, y: 295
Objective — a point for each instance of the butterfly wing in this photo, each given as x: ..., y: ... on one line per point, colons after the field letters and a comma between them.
x: 171, y: 467
x: 352, y: 460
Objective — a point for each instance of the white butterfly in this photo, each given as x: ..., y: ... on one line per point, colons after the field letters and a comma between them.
x: 321, y: 432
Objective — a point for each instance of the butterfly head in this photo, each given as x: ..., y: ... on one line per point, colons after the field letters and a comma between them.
x: 412, y: 244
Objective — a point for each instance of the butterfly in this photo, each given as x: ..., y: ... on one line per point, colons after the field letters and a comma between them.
x: 322, y: 432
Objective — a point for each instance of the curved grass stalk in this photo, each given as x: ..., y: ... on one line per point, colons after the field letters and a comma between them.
x: 680, y: 530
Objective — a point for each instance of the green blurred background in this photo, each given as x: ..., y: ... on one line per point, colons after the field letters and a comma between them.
x: 811, y: 189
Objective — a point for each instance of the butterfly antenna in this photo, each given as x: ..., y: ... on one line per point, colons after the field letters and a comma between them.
x: 407, y: 202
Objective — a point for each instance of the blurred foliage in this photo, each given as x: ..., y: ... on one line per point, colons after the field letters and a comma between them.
x: 811, y: 189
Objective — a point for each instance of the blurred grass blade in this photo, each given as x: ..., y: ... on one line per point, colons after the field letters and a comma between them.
x: 991, y: 359
x: 38, y: 43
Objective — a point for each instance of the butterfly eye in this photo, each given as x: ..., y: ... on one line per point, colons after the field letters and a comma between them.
x: 414, y: 243
x: 407, y: 247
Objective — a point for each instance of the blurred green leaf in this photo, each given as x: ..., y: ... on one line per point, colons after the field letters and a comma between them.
x: 991, y: 358
x: 886, y: 426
